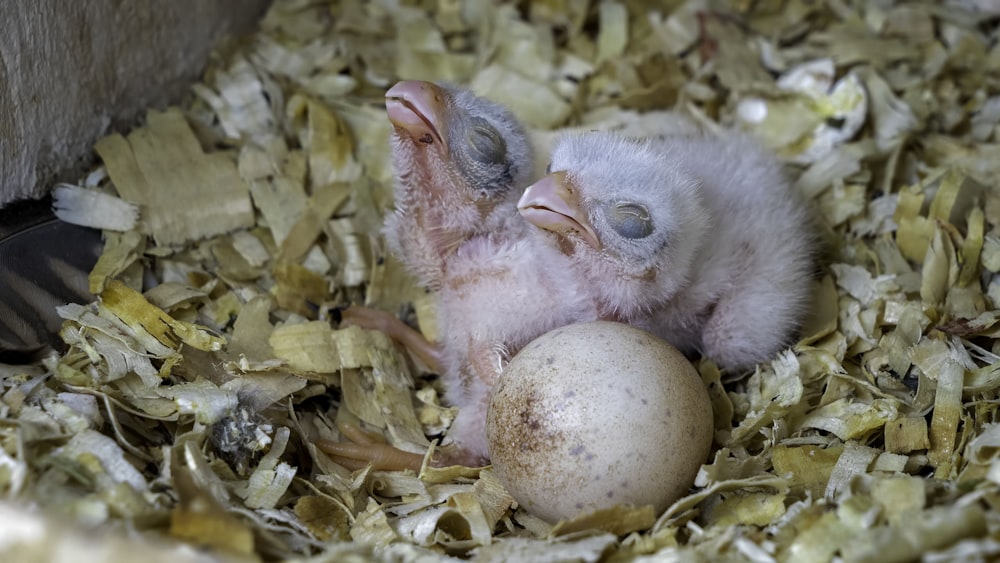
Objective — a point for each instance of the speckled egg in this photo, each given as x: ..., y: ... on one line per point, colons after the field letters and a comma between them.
x: 596, y: 414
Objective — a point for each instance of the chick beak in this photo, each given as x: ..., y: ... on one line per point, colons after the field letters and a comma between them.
x: 552, y: 204
x: 418, y: 108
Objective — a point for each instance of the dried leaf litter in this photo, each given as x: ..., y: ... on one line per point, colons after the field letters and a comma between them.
x: 189, y: 411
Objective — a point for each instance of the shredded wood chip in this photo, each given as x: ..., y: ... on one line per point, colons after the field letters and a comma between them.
x: 184, y: 194
x: 191, y: 392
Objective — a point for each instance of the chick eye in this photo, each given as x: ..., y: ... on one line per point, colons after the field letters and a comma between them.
x: 487, y: 145
x: 630, y: 220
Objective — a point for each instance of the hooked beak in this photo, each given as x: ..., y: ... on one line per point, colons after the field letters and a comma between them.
x: 418, y: 108
x: 553, y: 204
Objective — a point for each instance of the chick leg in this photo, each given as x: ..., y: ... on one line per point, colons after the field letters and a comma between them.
x: 365, y: 317
x: 367, y: 447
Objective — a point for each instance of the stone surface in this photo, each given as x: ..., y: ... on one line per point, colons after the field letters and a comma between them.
x: 71, y: 72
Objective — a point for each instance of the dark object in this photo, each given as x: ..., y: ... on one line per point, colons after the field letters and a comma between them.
x: 44, y: 263
x: 234, y: 437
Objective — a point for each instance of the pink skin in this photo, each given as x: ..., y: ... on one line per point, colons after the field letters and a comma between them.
x: 456, y: 227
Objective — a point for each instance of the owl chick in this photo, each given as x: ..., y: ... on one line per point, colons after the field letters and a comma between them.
x: 700, y: 239
x: 461, y: 162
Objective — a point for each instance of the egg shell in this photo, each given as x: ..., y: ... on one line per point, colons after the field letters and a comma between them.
x: 596, y: 414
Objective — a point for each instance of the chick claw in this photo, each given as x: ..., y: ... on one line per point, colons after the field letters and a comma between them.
x: 374, y: 319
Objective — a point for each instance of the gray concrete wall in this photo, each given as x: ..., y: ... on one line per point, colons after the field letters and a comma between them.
x: 72, y: 70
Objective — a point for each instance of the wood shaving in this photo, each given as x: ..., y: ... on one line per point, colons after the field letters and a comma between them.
x: 191, y: 411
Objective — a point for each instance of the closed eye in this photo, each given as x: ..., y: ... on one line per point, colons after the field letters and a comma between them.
x: 487, y: 145
x: 630, y: 220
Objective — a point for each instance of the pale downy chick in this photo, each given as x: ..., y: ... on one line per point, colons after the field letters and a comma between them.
x: 700, y: 239
x: 461, y: 162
